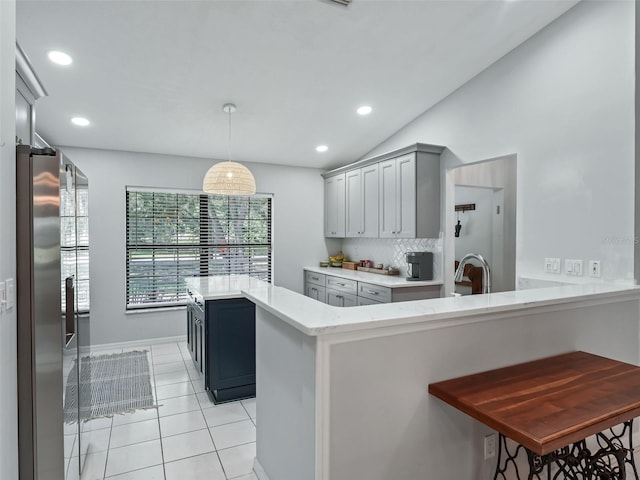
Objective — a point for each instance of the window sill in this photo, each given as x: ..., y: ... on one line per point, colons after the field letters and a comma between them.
x: 141, y: 311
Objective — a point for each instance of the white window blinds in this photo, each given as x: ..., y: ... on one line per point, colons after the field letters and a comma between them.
x: 171, y: 236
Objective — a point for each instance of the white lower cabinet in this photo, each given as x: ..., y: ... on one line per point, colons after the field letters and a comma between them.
x: 316, y: 292
x: 367, y: 301
x: 340, y: 291
x: 343, y: 292
x: 341, y: 299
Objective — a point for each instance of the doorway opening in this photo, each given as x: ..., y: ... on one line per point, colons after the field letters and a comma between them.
x: 485, y: 193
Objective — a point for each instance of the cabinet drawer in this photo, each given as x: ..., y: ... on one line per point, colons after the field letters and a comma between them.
x: 367, y: 301
x: 374, y: 292
x: 342, y: 285
x: 341, y: 299
x: 315, y: 278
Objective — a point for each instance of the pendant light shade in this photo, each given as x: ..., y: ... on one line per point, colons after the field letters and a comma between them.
x: 229, y: 178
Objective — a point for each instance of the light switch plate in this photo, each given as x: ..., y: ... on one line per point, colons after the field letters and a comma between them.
x: 573, y: 267
x: 11, y: 293
x: 552, y: 265
x: 3, y: 297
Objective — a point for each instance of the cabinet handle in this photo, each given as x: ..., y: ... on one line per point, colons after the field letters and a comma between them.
x: 314, y: 289
x: 372, y: 292
x: 339, y: 296
x: 341, y: 284
x: 315, y: 278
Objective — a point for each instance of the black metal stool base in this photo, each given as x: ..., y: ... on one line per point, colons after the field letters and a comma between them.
x: 574, y: 462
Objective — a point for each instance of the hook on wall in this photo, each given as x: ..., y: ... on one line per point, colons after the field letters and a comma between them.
x: 462, y: 208
x: 465, y: 207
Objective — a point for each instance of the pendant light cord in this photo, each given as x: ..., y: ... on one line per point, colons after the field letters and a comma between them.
x: 229, y: 136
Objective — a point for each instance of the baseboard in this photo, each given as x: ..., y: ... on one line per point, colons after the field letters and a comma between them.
x: 138, y: 343
x: 258, y: 470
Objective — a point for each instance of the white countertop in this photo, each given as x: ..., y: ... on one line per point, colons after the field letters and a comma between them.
x: 219, y: 287
x: 315, y: 318
x: 391, y: 281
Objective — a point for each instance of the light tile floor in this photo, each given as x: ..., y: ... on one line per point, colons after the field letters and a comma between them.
x: 186, y: 438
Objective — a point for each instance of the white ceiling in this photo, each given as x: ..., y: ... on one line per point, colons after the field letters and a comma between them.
x: 152, y: 76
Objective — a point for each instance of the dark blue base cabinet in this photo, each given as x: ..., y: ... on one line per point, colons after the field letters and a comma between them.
x: 230, y: 346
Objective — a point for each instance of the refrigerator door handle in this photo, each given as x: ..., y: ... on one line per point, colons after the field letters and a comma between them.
x: 69, y: 314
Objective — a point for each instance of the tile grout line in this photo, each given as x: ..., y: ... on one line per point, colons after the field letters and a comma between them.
x: 106, y: 460
x: 155, y: 388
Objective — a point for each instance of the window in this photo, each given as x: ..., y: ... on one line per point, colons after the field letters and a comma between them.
x: 172, y: 235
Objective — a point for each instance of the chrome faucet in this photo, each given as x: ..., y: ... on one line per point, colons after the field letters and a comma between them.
x: 486, y: 272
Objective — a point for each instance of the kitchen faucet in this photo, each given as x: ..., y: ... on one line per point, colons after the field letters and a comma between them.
x: 486, y: 272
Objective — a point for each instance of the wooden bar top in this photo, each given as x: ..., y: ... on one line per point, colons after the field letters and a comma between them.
x: 548, y: 403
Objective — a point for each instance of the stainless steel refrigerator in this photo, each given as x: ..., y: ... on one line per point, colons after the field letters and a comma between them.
x: 53, y: 313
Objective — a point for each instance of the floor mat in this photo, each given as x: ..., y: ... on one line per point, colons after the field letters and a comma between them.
x: 109, y: 384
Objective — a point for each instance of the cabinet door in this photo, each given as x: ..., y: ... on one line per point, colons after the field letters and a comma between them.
x: 200, y: 345
x: 367, y: 301
x: 334, y: 206
x: 231, y: 345
x: 316, y: 292
x: 387, y: 199
x: 191, y: 330
x: 353, y: 204
x: 189, y: 323
x: 341, y: 299
x: 341, y: 204
x: 406, y: 196
x: 369, y: 214
x: 198, y: 332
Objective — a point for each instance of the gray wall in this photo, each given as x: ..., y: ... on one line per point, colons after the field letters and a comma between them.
x: 298, y: 237
x: 8, y: 366
x: 563, y: 102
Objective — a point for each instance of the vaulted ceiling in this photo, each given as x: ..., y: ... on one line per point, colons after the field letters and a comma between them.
x: 152, y: 75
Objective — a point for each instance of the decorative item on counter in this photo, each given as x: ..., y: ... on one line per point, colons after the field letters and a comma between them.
x: 380, y: 266
x: 350, y: 265
x: 336, y: 261
x: 380, y: 271
x: 324, y: 264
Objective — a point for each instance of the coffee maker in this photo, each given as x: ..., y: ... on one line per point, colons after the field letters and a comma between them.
x: 420, y: 266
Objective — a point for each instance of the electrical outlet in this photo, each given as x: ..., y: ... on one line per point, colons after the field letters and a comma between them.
x: 489, y: 446
x: 594, y: 268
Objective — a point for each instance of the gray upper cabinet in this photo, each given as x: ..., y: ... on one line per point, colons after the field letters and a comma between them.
x: 395, y: 195
x: 334, y: 206
x: 398, y: 197
x: 362, y: 202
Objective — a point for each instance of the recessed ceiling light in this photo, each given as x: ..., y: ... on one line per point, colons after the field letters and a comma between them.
x: 322, y: 148
x: 80, y: 121
x: 364, y: 110
x: 60, y: 58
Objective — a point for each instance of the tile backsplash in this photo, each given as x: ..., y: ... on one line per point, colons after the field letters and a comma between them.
x: 391, y: 251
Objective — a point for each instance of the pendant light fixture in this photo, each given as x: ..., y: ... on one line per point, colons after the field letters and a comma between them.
x: 229, y: 178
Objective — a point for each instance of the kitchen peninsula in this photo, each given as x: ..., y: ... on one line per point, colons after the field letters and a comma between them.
x: 342, y: 392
